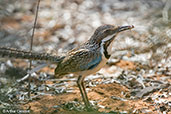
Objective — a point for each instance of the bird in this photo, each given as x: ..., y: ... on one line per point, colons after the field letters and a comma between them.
x: 86, y: 59
x: 90, y: 57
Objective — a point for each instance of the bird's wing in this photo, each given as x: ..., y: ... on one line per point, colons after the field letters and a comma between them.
x: 80, y: 60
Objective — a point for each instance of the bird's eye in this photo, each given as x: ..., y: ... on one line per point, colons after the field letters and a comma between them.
x: 109, y: 31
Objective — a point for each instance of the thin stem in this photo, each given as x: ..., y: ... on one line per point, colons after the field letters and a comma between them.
x: 31, y: 45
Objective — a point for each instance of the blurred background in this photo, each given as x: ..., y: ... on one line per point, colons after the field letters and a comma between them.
x: 141, y: 57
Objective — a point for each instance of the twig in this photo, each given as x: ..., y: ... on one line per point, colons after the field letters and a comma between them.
x: 151, y: 89
x: 31, y: 45
x: 32, y: 71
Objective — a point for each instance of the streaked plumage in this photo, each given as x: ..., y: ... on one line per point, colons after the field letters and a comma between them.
x: 90, y: 57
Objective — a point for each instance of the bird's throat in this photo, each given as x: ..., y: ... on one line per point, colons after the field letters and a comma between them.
x: 107, y: 47
x: 106, y: 54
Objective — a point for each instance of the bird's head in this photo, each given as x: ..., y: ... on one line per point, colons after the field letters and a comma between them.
x: 105, y: 34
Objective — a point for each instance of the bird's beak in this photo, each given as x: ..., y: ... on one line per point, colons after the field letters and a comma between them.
x: 123, y: 28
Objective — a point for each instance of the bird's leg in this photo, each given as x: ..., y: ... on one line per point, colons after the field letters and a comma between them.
x: 83, y: 92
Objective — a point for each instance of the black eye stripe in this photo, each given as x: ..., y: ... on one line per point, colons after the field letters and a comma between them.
x: 109, y: 31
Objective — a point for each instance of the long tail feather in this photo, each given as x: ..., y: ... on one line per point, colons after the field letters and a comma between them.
x: 20, y: 54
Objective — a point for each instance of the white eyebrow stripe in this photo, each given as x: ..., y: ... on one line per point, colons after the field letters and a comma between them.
x: 108, y: 38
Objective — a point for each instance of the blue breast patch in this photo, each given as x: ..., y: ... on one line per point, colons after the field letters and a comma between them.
x: 92, y: 64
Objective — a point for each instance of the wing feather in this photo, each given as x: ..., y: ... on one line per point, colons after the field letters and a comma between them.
x: 78, y: 60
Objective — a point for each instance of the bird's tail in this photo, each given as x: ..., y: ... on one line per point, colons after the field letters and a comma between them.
x: 20, y: 54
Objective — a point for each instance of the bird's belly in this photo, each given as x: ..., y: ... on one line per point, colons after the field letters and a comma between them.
x: 94, y: 70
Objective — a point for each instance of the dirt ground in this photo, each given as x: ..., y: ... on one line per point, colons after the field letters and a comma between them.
x: 111, y: 98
